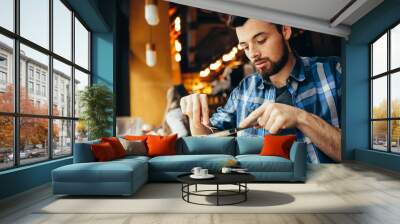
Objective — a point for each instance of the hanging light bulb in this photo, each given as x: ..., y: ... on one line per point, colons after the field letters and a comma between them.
x: 151, y: 54
x: 151, y: 12
x: 178, y: 57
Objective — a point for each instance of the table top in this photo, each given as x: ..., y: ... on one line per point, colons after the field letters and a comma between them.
x: 220, y: 178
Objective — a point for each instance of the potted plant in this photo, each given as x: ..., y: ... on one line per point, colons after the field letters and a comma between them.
x: 96, y: 104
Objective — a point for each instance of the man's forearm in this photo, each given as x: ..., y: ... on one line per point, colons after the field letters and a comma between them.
x: 322, y: 134
x: 199, y: 129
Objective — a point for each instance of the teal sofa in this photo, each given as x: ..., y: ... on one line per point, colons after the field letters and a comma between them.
x: 125, y: 176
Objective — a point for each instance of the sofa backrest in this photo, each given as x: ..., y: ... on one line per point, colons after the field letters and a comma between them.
x: 83, y: 152
x: 249, y: 145
x: 206, y: 145
x: 190, y: 146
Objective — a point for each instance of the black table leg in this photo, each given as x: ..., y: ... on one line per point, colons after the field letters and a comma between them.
x: 245, y: 193
x: 182, y: 189
x: 217, y: 194
x: 188, y: 189
x: 242, y: 191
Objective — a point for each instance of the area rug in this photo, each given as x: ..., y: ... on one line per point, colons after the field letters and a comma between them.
x: 167, y: 198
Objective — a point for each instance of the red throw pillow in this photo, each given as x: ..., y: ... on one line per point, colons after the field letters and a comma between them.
x: 103, y: 152
x: 161, y: 145
x: 275, y: 145
x: 116, y: 145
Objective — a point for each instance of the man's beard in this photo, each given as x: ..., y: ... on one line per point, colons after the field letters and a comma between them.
x: 275, y: 66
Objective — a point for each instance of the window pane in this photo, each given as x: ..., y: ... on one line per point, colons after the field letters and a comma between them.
x: 35, y: 21
x: 81, y: 45
x: 62, y: 89
x: 81, y: 81
x: 379, y: 55
x: 395, y: 47
x: 81, y: 131
x: 62, y: 29
x: 6, y: 74
x: 379, y: 97
x: 395, y: 136
x: 395, y: 94
x: 34, y: 72
x: 6, y: 142
x: 62, y: 138
x: 379, y: 135
x: 33, y: 140
x: 7, y: 14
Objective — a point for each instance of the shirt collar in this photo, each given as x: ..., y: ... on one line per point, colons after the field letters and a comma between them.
x: 297, y: 74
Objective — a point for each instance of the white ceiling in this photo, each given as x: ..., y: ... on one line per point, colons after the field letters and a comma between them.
x: 315, y: 15
x: 313, y: 8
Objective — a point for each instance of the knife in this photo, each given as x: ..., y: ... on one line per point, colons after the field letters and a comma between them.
x: 225, y: 133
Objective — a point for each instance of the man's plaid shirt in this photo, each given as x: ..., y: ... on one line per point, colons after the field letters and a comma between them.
x: 314, y: 85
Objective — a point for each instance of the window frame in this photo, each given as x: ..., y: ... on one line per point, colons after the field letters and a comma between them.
x: 388, y: 74
x: 16, y: 114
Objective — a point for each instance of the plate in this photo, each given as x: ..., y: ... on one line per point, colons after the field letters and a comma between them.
x: 208, y: 176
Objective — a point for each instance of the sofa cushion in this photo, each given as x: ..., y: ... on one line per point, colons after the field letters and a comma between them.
x: 257, y: 163
x: 112, y: 171
x: 161, y: 145
x: 277, y: 145
x: 249, y: 145
x: 206, y: 145
x: 185, y: 163
x: 134, y: 147
x: 116, y: 145
x: 103, y: 152
x: 131, y: 158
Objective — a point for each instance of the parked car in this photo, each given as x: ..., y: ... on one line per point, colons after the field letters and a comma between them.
x: 22, y: 155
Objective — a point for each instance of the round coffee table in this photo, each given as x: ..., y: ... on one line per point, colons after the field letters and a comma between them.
x: 238, y: 179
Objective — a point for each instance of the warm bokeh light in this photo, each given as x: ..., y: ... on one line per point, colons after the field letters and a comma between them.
x: 216, y: 65
x: 178, y: 27
x: 177, y: 23
x: 178, y: 57
x: 178, y: 46
x: 205, y: 72
x: 177, y: 20
x: 234, y: 50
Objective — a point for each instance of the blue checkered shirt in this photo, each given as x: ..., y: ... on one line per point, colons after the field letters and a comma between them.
x: 314, y: 85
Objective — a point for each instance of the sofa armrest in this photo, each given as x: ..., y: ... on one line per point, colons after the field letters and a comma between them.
x: 83, y: 152
x: 298, y: 155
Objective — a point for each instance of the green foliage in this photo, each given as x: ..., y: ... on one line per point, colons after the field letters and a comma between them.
x: 96, y: 102
x: 380, y: 127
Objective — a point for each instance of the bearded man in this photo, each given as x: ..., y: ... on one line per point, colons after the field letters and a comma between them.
x: 287, y: 95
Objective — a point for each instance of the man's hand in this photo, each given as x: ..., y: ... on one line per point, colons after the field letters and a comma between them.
x: 272, y: 117
x: 276, y: 116
x: 195, y: 106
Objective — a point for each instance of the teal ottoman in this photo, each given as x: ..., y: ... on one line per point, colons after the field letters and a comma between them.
x: 118, y: 177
